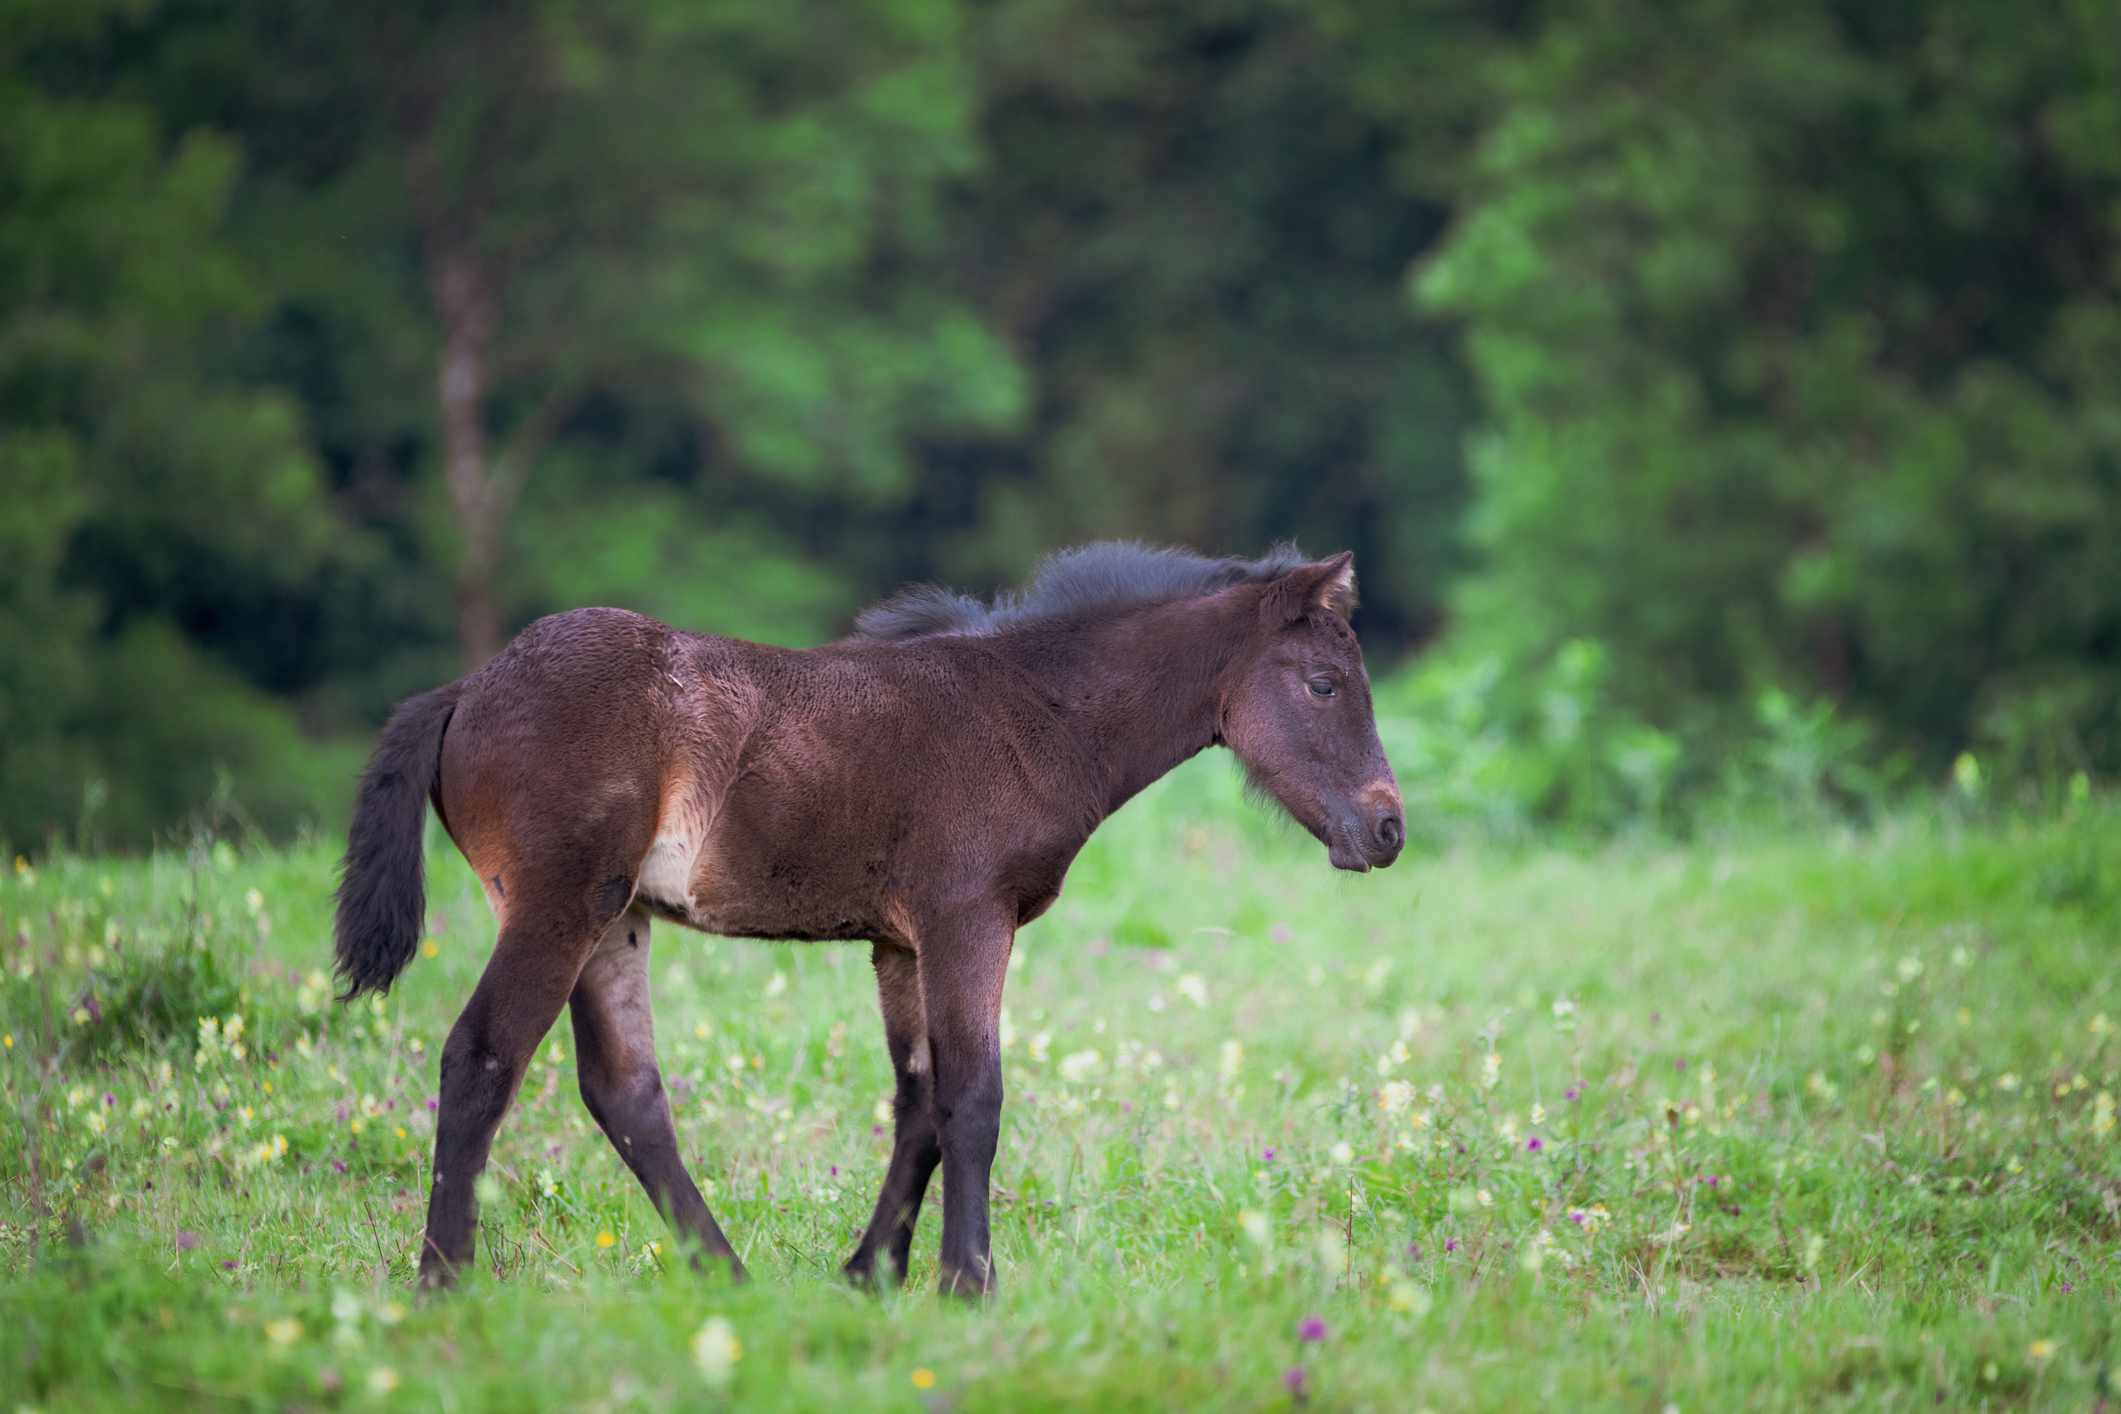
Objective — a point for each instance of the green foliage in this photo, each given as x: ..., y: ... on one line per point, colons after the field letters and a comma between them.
x: 1824, y: 1118
x: 143, y: 491
x: 1509, y: 754
x: 1797, y: 330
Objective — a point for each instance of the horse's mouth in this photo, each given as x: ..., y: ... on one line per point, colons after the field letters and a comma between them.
x: 1344, y: 851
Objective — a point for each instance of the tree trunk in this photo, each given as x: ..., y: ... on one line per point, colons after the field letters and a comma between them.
x: 465, y: 303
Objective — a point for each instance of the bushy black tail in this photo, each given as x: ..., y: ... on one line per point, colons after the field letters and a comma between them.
x: 382, y: 882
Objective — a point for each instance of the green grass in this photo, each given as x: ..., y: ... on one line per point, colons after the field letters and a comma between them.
x: 1892, y: 1052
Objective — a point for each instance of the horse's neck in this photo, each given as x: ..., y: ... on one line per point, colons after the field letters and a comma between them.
x: 1143, y: 692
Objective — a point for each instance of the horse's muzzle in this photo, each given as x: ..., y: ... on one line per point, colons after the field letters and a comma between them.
x: 1368, y: 838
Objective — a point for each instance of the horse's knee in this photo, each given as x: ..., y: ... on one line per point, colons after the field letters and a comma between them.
x: 478, y: 1065
x: 611, y: 1095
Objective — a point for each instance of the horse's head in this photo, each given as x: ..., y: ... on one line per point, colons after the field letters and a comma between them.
x: 1297, y: 713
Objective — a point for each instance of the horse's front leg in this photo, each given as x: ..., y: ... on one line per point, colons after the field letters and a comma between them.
x: 962, y: 966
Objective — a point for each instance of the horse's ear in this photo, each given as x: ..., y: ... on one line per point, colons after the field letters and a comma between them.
x: 1305, y: 590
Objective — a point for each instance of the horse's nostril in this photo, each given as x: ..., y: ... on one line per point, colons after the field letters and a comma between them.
x: 1389, y: 832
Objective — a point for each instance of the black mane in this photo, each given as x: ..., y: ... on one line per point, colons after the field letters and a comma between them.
x: 1090, y: 580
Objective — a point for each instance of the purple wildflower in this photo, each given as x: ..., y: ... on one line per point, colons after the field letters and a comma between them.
x: 1573, y: 1093
x: 1679, y: 1064
x: 338, y: 1165
x: 1450, y: 1244
x: 432, y: 1104
x: 1413, y: 1251
x: 2067, y: 1288
x: 1534, y: 1144
x: 186, y: 1240
x: 1313, y: 1328
x: 1293, y: 1381
x: 1578, y: 1216
x: 1268, y: 1153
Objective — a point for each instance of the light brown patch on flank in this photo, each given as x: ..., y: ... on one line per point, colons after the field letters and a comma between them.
x: 667, y: 872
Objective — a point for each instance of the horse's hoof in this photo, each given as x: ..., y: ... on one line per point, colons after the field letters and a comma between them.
x: 873, y: 1272
x: 437, y: 1278
x: 967, y: 1286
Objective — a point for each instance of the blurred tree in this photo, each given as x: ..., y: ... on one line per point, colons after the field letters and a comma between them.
x: 1199, y: 245
x: 145, y: 496
x: 1799, y: 330
x: 610, y: 215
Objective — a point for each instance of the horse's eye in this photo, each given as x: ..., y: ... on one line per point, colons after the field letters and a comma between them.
x: 1321, y: 687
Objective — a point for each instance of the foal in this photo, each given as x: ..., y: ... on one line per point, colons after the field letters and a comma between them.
x: 922, y: 785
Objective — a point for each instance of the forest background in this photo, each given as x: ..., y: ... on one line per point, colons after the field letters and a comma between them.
x: 1723, y: 401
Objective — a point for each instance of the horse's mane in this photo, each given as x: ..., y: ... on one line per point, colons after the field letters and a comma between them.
x: 1089, y: 581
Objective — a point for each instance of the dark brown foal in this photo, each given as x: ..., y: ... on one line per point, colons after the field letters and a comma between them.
x: 923, y: 785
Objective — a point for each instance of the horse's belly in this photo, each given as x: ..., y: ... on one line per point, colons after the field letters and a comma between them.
x: 701, y: 887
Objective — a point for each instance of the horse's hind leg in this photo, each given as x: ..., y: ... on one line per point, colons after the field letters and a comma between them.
x: 525, y: 984
x: 614, y: 1040
x: 915, y: 1146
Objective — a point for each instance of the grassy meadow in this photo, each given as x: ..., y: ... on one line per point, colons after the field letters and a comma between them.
x: 1819, y: 1117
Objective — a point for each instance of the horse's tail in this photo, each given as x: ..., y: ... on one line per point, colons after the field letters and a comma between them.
x: 382, y: 883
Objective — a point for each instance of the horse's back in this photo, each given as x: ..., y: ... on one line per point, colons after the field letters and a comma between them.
x: 744, y: 788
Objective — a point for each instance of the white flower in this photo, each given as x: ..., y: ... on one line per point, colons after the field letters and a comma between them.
x: 1194, y: 989
x: 1080, y: 1066
x: 715, y: 1349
